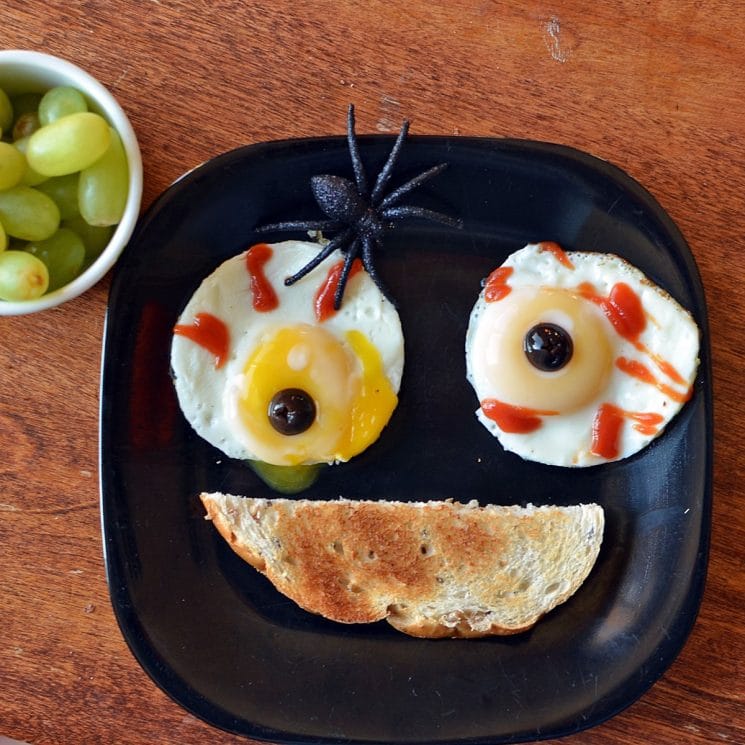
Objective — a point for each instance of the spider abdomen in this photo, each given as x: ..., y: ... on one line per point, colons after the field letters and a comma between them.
x: 338, y: 198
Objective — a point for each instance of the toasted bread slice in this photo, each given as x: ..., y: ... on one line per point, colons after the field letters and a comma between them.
x: 431, y: 569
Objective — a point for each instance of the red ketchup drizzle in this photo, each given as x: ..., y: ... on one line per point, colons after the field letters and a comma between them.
x: 606, y: 429
x: 557, y: 251
x: 670, y: 371
x: 624, y: 310
x: 496, y: 286
x: 209, y: 332
x: 640, y: 371
x: 324, y: 299
x: 514, y: 419
x: 264, y: 296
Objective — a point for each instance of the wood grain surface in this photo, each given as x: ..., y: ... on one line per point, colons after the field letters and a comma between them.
x: 655, y: 86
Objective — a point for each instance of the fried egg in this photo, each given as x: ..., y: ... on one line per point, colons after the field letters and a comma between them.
x: 577, y: 358
x: 273, y: 373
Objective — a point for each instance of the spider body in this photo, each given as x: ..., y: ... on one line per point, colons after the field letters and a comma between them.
x: 360, y: 216
x: 339, y: 199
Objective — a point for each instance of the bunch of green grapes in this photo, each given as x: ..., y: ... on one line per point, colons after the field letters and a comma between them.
x: 63, y: 187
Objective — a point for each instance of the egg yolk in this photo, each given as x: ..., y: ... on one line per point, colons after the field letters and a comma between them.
x: 345, y: 379
x: 514, y: 380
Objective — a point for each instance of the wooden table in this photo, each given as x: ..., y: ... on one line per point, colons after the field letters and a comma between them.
x: 655, y: 87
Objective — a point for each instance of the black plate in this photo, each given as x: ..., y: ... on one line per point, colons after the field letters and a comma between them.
x: 218, y: 638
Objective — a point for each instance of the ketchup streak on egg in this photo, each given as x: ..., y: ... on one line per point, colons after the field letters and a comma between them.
x: 264, y: 298
x: 209, y: 332
x: 324, y: 299
x: 624, y: 310
x: 622, y: 307
x: 606, y: 429
x: 515, y: 419
x: 668, y: 370
x: 558, y: 253
x: 640, y: 371
x: 496, y: 286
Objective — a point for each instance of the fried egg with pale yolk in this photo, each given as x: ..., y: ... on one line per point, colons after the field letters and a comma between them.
x: 273, y: 373
x: 577, y: 358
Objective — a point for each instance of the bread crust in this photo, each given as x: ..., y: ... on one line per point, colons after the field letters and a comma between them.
x: 431, y: 569
x: 223, y: 525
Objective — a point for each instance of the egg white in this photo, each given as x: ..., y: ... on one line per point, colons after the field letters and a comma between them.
x: 205, y: 393
x: 670, y: 332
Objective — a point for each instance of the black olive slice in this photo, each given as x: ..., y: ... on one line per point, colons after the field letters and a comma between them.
x: 291, y: 411
x: 548, y: 347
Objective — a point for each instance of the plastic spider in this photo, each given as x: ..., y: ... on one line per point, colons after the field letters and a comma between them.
x: 361, y: 215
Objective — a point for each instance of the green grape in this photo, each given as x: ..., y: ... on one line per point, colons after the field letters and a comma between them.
x: 103, y: 187
x: 63, y: 254
x: 69, y: 144
x: 12, y: 166
x: 23, y: 276
x: 30, y: 176
x: 26, y: 125
x: 6, y: 112
x: 95, y: 238
x: 3, y: 238
x: 286, y: 479
x: 64, y: 191
x: 28, y: 214
x: 58, y: 102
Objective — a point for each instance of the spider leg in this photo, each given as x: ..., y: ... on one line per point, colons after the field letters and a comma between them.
x: 367, y: 262
x: 395, y: 213
x: 354, y: 152
x: 324, y: 253
x: 385, y: 172
x: 348, y: 259
x: 300, y: 225
x: 396, y: 194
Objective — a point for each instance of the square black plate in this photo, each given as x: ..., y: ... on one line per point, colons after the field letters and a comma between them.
x: 218, y: 638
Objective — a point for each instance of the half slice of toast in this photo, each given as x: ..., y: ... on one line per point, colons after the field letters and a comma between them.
x: 431, y: 569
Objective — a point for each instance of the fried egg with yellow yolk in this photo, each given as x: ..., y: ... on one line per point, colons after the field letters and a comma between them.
x: 273, y: 373
x: 577, y: 358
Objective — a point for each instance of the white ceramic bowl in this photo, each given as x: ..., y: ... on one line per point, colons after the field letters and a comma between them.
x: 22, y: 71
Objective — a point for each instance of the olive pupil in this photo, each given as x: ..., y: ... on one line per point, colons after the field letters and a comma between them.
x: 548, y: 347
x: 291, y: 411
